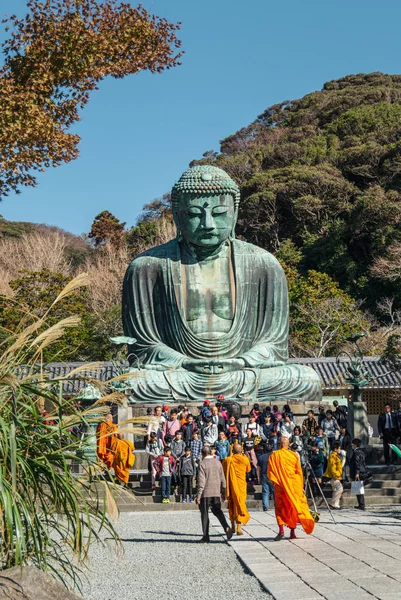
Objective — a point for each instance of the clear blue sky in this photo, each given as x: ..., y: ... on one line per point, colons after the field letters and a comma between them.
x: 140, y: 133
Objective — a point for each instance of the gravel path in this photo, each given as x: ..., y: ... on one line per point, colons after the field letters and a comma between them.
x: 162, y: 561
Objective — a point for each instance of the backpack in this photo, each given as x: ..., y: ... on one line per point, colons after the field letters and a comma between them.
x: 232, y: 408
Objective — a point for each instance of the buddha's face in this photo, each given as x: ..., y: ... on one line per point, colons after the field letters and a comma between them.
x: 206, y: 221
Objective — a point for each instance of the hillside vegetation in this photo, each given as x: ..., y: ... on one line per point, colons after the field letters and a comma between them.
x: 323, y: 174
x: 321, y: 189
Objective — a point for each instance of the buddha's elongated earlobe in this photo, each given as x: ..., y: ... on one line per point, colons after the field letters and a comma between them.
x: 177, y: 226
x: 232, y: 233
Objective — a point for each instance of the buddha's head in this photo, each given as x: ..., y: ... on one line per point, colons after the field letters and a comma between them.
x: 205, y: 206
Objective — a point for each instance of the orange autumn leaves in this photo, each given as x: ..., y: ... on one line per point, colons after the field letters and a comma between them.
x: 54, y: 57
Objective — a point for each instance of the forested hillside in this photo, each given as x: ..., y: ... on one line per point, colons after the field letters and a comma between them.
x: 321, y: 189
x: 323, y: 174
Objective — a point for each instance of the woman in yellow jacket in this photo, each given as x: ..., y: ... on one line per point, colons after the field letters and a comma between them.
x: 334, y: 473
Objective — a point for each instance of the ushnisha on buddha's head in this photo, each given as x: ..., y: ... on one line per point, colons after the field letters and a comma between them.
x: 205, y: 206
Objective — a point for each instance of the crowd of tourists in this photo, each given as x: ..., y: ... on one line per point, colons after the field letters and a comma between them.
x: 176, y: 439
x: 216, y: 456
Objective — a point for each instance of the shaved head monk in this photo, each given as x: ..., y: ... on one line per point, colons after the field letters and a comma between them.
x: 235, y: 469
x: 291, y: 506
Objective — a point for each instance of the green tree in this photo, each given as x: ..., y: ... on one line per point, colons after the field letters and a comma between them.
x: 321, y: 314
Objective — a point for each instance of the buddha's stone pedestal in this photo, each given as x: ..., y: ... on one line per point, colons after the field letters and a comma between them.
x: 358, y: 422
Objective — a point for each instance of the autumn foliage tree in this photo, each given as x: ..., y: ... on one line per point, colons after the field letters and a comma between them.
x: 55, y: 57
x: 107, y: 228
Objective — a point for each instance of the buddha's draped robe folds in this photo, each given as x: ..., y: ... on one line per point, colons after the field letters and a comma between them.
x: 290, y: 503
x: 104, y: 433
x: 154, y: 314
x: 235, y: 469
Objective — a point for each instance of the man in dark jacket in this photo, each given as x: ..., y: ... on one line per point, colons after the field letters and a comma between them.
x: 398, y: 417
x: 267, y: 486
x: 358, y: 470
x: 387, y: 426
x: 340, y: 414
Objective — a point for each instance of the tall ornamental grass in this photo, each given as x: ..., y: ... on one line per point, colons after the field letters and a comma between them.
x: 48, y: 515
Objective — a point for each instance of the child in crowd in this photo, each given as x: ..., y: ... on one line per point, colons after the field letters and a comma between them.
x: 196, y: 447
x: 187, y: 471
x: 177, y: 451
x: 222, y: 446
x: 154, y: 449
x: 166, y: 466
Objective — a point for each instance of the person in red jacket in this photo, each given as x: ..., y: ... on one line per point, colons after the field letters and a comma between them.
x: 165, y: 465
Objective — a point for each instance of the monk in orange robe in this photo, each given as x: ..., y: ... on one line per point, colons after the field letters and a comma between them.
x: 285, y: 472
x: 235, y: 469
x: 104, y: 432
x: 124, y: 458
x: 114, y: 450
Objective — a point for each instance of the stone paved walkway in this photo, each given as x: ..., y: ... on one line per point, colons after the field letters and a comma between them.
x: 357, y: 558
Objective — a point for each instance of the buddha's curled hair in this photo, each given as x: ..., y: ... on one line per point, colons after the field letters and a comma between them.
x: 203, y: 179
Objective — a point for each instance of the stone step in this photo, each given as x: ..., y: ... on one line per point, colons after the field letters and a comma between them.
x: 380, y: 469
x: 144, y: 488
x: 372, y: 500
x: 384, y: 492
x: 384, y: 483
